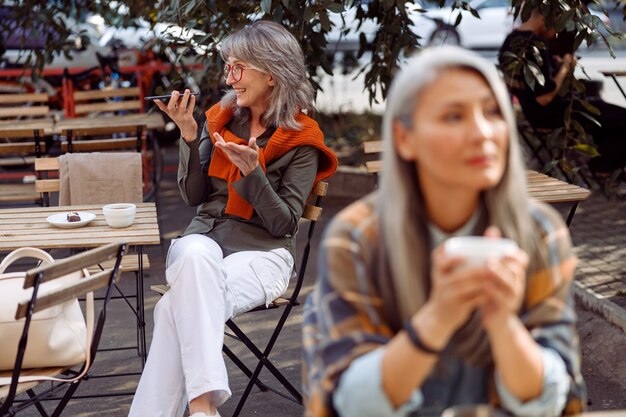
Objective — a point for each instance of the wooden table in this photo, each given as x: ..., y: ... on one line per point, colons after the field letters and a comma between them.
x: 551, y: 190
x: 21, y: 227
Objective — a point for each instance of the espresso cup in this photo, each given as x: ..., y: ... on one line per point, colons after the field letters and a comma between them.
x: 477, y: 249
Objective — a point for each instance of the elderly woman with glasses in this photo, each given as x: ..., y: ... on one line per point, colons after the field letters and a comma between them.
x: 249, y: 172
x: 399, y: 325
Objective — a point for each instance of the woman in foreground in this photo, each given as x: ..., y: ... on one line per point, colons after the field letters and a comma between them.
x: 396, y: 325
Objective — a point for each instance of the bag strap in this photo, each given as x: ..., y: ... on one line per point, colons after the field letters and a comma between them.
x: 89, y: 312
x: 26, y: 252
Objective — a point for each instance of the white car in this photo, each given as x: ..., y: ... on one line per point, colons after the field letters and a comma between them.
x: 437, y: 25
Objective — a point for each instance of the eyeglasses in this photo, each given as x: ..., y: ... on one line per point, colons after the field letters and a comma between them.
x: 236, y: 71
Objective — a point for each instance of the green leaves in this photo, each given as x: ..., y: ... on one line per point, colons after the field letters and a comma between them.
x: 266, y: 6
x: 309, y: 20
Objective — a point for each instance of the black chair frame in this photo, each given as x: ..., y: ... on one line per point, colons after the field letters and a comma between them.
x: 262, y: 355
x: 34, y: 278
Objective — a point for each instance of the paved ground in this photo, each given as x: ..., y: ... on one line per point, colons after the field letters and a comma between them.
x: 599, y: 233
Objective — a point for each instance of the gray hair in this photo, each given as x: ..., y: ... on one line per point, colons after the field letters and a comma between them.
x: 270, y: 47
x: 403, y: 213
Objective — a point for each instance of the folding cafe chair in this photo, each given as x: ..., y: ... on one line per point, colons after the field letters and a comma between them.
x: 92, y: 170
x: 23, y: 119
x: 9, y: 404
x: 312, y: 213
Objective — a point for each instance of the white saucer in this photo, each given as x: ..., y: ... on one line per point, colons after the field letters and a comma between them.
x: 60, y: 220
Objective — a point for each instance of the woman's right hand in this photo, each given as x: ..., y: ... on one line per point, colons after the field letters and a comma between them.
x: 567, y: 62
x: 181, y: 113
x: 456, y: 291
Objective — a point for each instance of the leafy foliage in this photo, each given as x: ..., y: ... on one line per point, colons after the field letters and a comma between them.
x: 311, y: 21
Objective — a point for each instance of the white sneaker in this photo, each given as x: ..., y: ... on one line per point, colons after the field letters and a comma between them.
x: 217, y: 414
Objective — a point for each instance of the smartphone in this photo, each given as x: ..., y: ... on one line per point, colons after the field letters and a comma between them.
x: 165, y: 97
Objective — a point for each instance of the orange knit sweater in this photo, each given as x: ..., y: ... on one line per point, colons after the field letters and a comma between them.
x: 279, y: 143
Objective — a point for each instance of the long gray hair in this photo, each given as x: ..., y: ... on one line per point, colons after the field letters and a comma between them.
x: 403, y: 213
x: 272, y: 49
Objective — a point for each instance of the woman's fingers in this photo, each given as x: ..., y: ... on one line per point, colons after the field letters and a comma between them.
x: 493, y: 232
x: 191, y: 106
x: 162, y: 106
x: 172, y: 104
x: 219, y: 140
x: 252, y: 144
x: 465, y: 281
x: 184, y: 100
x: 187, y: 102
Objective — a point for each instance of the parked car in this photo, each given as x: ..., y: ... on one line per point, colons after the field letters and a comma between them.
x: 437, y: 25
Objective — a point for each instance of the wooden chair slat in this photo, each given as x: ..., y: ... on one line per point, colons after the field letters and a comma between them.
x: 48, y: 186
x: 130, y: 263
x: 373, y: 146
x: 160, y: 288
x: 8, y: 161
x: 65, y: 266
x: 107, y: 130
x: 311, y: 212
x: 71, y: 291
x: 23, y: 98
x: 21, y: 147
x: 46, y: 164
x: 24, y: 111
x: 21, y: 133
x: 280, y: 301
x: 93, y: 145
x: 12, y: 193
x: 99, y: 94
x: 320, y: 189
x: 112, y: 106
x: 374, y: 167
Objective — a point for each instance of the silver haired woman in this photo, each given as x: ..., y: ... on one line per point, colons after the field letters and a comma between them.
x: 398, y: 325
x: 249, y: 173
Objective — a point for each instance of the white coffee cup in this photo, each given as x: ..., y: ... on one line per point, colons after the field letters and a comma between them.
x: 477, y: 249
x: 119, y: 215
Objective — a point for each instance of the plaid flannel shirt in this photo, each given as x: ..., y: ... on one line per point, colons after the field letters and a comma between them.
x: 344, y: 316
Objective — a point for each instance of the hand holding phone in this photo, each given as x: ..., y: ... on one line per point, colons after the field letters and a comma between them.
x: 180, y: 110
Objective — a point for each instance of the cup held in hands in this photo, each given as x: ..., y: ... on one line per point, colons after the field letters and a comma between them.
x: 119, y: 215
x: 477, y: 249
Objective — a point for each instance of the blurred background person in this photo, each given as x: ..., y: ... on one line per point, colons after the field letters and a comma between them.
x: 544, y: 104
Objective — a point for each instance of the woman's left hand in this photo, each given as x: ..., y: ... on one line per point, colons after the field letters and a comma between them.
x: 245, y: 157
x: 504, y: 288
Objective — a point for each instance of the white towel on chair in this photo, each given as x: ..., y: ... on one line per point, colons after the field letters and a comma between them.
x: 100, y: 178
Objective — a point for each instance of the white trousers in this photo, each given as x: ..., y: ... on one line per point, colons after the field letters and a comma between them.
x: 207, y: 289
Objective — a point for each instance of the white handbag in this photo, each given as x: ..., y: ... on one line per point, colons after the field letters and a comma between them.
x: 58, y: 336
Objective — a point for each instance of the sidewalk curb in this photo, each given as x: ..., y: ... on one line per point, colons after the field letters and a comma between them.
x: 594, y: 302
